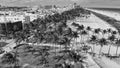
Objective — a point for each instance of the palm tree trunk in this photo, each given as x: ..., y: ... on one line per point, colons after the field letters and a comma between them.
x: 100, y: 50
x: 81, y: 38
x: 116, y: 50
x: 109, y: 50
x: 93, y: 48
x: 75, y: 41
x: 23, y: 25
x: 55, y: 49
x: 6, y: 28
x: 60, y: 47
x: 103, y: 35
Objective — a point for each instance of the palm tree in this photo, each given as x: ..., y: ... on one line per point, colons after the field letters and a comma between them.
x: 88, y: 29
x: 102, y: 42
x: 109, y: 31
x: 114, y: 32
x: 11, y: 58
x: 118, y: 45
x: 65, y: 41
x: 83, y: 33
x: 75, y: 24
x: 104, y: 32
x: 75, y: 36
x: 111, y: 40
x: 80, y: 27
x: 93, y: 40
x: 96, y: 31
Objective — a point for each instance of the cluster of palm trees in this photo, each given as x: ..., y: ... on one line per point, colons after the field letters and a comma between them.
x: 50, y: 29
x: 54, y: 29
x: 98, y: 36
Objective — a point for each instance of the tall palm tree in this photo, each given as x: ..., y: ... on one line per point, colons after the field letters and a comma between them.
x: 88, y: 29
x: 114, y: 32
x: 112, y: 41
x: 104, y: 32
x: 96, y: 31
x: 75, y: 24
x: 118, y: 45
x: 93, y: 40
x: 83, y: 33
x: 75, y: 35
x: 102, y: 42
x: 109, y: 31
x: 80, y: 28
x: 65, y: 41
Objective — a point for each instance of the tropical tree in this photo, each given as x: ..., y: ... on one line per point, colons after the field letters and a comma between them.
x: 93, y: 40
x: 96, y: 31
x: 88, y: 29
x: 83, y: 33
x: 11, y: 58
x: 104, y: 32
x: 65, y: 41
x: 75, y: 35
x: 80, y: 28
x: 102, y: 42
x: 118, y: 45
x: 75, y: 24
x: 109, y: 31
x: 112, y: 41
x: 114, y: 32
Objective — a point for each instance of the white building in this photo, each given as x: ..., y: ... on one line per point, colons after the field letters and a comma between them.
x: 15, y: 18
x: 11, y: 18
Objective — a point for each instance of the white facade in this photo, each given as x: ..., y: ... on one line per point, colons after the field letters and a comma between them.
x: 32, y: 16
x: 11, y: 18
x: 15, y: 18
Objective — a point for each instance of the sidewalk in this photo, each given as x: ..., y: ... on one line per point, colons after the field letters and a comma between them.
x: 91, y: 62
x: 106, y: 63
x: 110, y: 63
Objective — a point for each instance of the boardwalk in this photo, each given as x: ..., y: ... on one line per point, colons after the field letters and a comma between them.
x: 91, y: 62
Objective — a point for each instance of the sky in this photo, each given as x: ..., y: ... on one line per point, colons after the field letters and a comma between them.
x: 84, y: 3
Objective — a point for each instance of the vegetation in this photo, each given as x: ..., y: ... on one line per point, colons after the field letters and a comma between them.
x: 53, y: 29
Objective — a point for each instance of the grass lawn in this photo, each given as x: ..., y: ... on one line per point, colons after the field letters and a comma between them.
x: 32, y: 58
x: 2, y: 44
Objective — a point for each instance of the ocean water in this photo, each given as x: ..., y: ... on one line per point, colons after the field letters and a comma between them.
x: 110, y: 12
x: 109, y: 9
